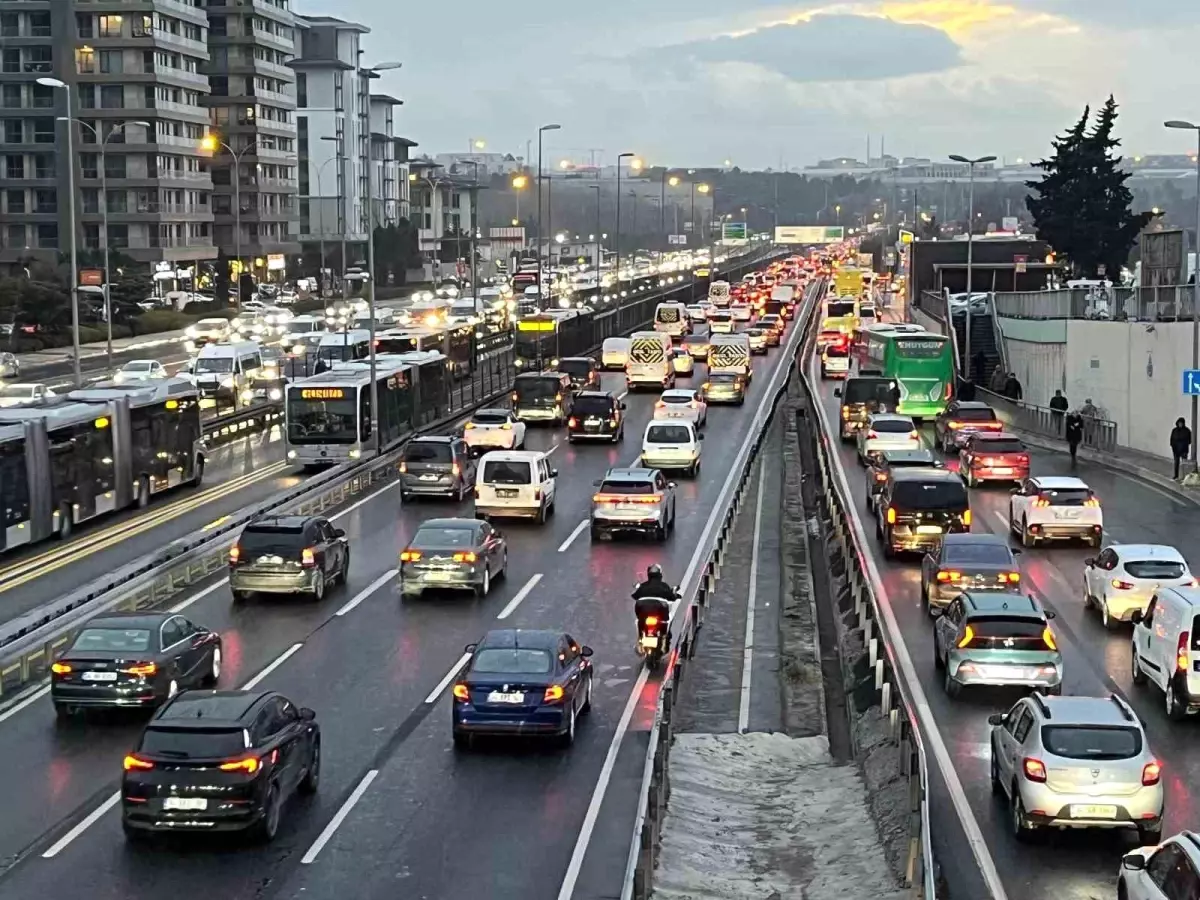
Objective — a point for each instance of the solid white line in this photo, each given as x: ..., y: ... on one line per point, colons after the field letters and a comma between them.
x: 336, y: 822
x: 908, y: 672
x: 748, y: 643
x: 1001, y: 521
x: 562, y: 548
x: 554, y: 447
x: 188, y: 601
x: 63, y: 842
x: 623, y: 395
x: 28, y: 701
x: 449, y: 677
x: 521, y: 595
x: 367, y: 499
x: 279, y: 661
x: 368, y: 591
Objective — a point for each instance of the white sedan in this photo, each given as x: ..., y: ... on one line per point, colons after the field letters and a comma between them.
x: 681, y: 404
x: 137, y: 370
x: 697, y: 313
x: 494, y: 429
x: 741, y: 312
x: 1124, y: 577
x: 19, y: 394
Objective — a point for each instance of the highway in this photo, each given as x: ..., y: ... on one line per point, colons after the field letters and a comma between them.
x: 1062, y: 866
x: 398, y: 813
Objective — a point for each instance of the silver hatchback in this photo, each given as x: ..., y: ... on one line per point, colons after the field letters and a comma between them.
x: 1076, y: 762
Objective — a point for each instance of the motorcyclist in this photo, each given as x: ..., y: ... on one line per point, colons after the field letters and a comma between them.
x: 653, y: 596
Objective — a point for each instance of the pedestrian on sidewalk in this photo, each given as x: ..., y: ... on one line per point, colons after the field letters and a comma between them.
x: 1058, y: 405
x: 1012, y: 387
x: 999, y: 379
x: 1181, y: 443
x: 1074, y: 433
x: 979, y: 366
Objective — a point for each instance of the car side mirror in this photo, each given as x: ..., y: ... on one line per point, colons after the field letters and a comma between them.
x: 339, y: 532
x: 1090, y: 562
x: 996, y: 719
x: 554, y: 473
x: 470, y: 648
x: 307, y: 714
x: 586, y: 651
x: 1050, y: 614
x: 699, y: 437
x: 1135, y: 861
x: 1137, y: 617
x: 837, y: 392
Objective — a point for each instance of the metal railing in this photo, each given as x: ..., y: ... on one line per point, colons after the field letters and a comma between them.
x: 1166, y: 303
x: 1098, y: 434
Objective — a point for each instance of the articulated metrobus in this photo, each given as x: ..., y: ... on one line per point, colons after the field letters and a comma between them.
x: 455, y: 342
x: 544, y: 338
x: 921, y: 364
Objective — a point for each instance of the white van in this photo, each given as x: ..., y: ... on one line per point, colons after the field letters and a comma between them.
x: 718, y: 294
x: 672, y: 445
x: 729, y: 353
x: 672, y: 319
x: 225, y: 373
x: 517, y: 483
x: 1166, y: 647
x: 649, y: 361
x: 614, y: 353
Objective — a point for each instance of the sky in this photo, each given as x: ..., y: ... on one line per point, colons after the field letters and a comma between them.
x: 766, y: 84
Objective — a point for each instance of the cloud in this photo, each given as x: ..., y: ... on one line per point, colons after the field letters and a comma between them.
x: 827, y: 48
x: 1126, y: 15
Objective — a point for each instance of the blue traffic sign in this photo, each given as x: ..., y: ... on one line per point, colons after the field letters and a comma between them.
x: 1191, y: 382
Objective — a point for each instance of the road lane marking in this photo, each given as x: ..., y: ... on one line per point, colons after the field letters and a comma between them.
x: 562, y: 548
x: 368, y: 591
x: 28, y: 701
x: 200, y: 595
x: 748, y: 642
x: 447, y: 678
x: 63, y: 842
x: 521, y: 595
x: 554, y: 447
x: 367, y: 499
x: 339, y: 817
x: 623, y: 394
x: 1005, y: 527
x: 279, y: 661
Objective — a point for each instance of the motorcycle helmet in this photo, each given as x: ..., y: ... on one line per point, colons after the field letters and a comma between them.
x: 654, y: 571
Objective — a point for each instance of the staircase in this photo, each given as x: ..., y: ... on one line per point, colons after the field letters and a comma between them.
x: 983, y: 337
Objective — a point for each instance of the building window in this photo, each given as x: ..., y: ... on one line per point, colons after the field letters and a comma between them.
x: 39, y: 25
x: 109, y: 26
x: 112, y: 62
x: 13, y: 134
x: 47, y: 237
x: 43, y: 166
x: 16, y: 201
x: 10, y: 25
x: 112, y: 96
x: 114, y: 166
x: 90, y: 200
x: 45, y: 201
x: 117, y: 201
x: 91, y: 236
x: 41, y: 59
x: 143, y: 26
x: 10, y: 96
x: 43, y: 131
x: 338, y: 91
x: 43, y: 96
x: 10, y: 61
x: 88, y: 168
x: 85, y: 60
x: 118, y: 236
x: 85, y: 25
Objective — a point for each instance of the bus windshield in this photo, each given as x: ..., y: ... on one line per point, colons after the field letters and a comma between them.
x: 321, y: 421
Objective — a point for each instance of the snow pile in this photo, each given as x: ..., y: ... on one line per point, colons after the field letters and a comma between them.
x: 767, y: 817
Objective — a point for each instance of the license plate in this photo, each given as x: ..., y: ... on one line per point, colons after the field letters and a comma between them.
x: 270, y: 560
x: 437, y: 576
x: 99, y: 676
x: 1003, y: 471
x: 185, y: 803
x: 500, y: 492
x: 649, y: 642
x: 929, y: 529
x: 591, y: 421
x: 1066, y: 514
x: 1093, y: 812
x: 671, y: 414
x: 502, y: 697
x: 429, y: 478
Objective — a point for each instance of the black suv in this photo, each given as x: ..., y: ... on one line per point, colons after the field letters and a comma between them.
x: 583, y: 371
x: 880, y: 465
x: 288, y: 555
x: 596, y: 415
x: 918, y: 506
x: 220, y: 761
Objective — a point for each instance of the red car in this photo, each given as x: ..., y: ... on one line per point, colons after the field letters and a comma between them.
x: 993, y: 456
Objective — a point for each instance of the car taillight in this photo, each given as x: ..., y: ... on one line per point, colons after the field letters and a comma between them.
x: 880, y: 476
x: 968, y: 635
x: 949, y: 576
x: 1092, y: 503
x: 891, y: 516
x: 553, y: 694
x: 694, y: 405
x: 845, y: 412
x: 410, y: 556
x: 136, y: 762
x: 248, y: 764
x: 966, y: 517
x: 1048, y: 639
x: 506, y: 427
x: 461, y: 692
x: 515, y: 396
x: 572, y: 422
x: 1034, y: 769
x: 1009, y: 577
x: 60, y: 668
x: 913, y: 434
x: 468, y: 426
x: 1023, y: 459
x: 308, y: 558
x: 1181, y: 652
x: 403, y: 468
x: 143, y: 670
x: 612, y: 423
x: 651, y: 622
x: 705, y: 386
x: 468, y: 557
x: 954, y: 426
x: 1041, y: 502
x: 537, y: 495
x: 1122, y: 585
x: 235, y: 555
x: 659, y: 405
x: 1151, y: 773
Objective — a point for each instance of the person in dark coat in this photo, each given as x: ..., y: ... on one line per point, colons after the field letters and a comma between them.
x: 979, y: 366
x: 1181, y: 443
x: 1074, y: 433
x: 894, y: 396
x: 998, y: 380
x: 1058, y: 404
x: 1012, y: 387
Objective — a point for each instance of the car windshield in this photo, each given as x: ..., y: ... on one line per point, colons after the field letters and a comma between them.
x: 427, y: 451
x: 668, y: 434
x: 16, y: 391
x: 503, y: 471
x: 591, y: 406
x: 511, y: 661
x: 933, y: 495
x: 975, y: 415
x: 1155, y: 568
x: 977, y: 554
x: 627, y: 487
x: 270, y: 542
x: 1092, y: 741
x: 192, y: 743
x: 439, y: 536
x: 576, y: 367
x: 1000, y: 445
x: 892, y: 426
x: 490, y: 417
x: 216, y: 365
x: 114, y: 640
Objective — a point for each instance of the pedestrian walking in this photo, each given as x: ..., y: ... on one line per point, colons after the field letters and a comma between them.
x: 998, y: 380
x: 1012, y: 387
x: 1074, y: 433
x: 894, y: 396
x: 1058, y: 406
x: 1181, y: 443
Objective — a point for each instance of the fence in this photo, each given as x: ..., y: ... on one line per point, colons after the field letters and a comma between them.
x: 1167, y: 303
x: 1098, y: 434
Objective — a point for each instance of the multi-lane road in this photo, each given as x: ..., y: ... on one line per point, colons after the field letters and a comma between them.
x: 1079, y: 866
x: 399, y: 813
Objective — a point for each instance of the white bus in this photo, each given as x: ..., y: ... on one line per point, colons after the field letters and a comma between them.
x: 671, y: 319
x: 729, y: 353
x: 649, y: 361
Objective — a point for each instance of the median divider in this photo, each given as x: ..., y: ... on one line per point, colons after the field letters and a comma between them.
x: 260, y: 416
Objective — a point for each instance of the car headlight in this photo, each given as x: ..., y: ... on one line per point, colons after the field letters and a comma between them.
x: 275, y: 394
x: 190, y: 331
x: 227, y: 382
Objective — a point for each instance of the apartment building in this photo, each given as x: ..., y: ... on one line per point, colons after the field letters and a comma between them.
x: 389, y: 162
x: 252, y: 112
x: 443, y: 209
x: 132, y: 73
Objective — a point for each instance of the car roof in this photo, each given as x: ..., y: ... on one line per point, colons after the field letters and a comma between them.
x: 575, y: 359
x: 968, y: 538
x: 129, y: 620
x: 995, y: 436
x: 279, y: 523
x: 493, y: 411
x: 1060, y: 482
x: 678, y: 392
x: 512, y: 455
x: 890, y: 417
x: 972, y: 404
x: 1148, y: 551
x: 203, y: 709
x: 449, y: 522
x: 1075, y: 710
x: 1015, y: 605
x: 532, y: 638
x: 603, y: 395
x: 629, y: 473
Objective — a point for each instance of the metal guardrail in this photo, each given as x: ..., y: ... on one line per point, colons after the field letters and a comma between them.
x: 889, y: 663
x: 29, y: 643
x: 1098, y: 434
x: 233, y: 425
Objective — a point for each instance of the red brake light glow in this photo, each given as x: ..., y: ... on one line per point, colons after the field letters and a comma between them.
x: 235, y: 554
x: 553, y: 694
x: 572, y: 422
x: 468, y: 557
x: 949, y: 576
x: 651, y: 621
x: 1151, y: 773
x: 1122, y: 585
x: 308, y: 558
x: 133, y: 762
x: 60, y: 668
x: 1181, y: 651
x: 249, y: 765
x: 1035, y: 769
x: 456, y: 469
x: 143, y: 670
x: 461, y: 692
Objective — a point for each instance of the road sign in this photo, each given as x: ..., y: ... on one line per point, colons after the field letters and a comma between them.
x: 91, y: 277
x: 809, y: 234
x: 1191, y: 382
x: 733, y: 231
x: 677, y: 239
x: 1019, y: 262
x: 906, y: 237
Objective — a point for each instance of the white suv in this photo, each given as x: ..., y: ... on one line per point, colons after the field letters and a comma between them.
x: 672, y: 445
x: 1123, y: 578
x: 1055, y: 508
x: 1170, y: 871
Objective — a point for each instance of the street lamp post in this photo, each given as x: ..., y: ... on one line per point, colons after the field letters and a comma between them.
x: 103, y: 144
x: 971, y: 164
x: 538, y: 230
x: 56, y: 83
x: 672, y: 180
x: 617, y: 239
x: 212, y: 142
x: 599, y: 252
x: 343, y: 207
x: 474, y: 195
x: 519, y: 183
x: 1189, y: 126
x: 321, y: 223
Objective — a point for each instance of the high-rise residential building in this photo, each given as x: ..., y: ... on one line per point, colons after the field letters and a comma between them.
x: 132, y: 71
x: 252, y: 106
x: 389, y: 162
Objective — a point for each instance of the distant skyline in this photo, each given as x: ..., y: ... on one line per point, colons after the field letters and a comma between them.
x: 771, y: 85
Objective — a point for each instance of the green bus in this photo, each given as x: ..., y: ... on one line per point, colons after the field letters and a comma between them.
x: 922, y: 364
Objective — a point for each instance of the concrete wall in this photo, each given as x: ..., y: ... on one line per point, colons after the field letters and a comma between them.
x: 926, y: 321
x: 1132, y: 371
x: 1037, y: 352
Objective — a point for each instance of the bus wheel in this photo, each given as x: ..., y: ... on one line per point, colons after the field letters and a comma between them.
x: 66, y: 521
x: 199, y: 469
x: 143, y: 492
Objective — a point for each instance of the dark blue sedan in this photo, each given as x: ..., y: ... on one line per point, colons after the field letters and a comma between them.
x: 523, y: 682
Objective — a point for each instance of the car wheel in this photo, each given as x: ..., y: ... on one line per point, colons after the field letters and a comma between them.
x: 503, y: 566
x: 586, y: 706
x: 318, y: 588
x: 1020, y: 827
x: 1136, y: 673
x: 568, y: 737
x: 541, y: 515
x: 1097, y: 541
x: 484, y: 588
x: 889, y: 551
x: 997, y: 784
x: 268, y: 825
x: 660, y: 533
x: 240, y: 596
x: 937, y: 656
x: 1088, y: 599
x: 596, y: 534
x: 312, y: 773
x: 953, y: 688
x: 344, y: 572
x: 1105, y: 618
x: 1027, y: 539
x: 214, y: 668
x: 1175, y: 710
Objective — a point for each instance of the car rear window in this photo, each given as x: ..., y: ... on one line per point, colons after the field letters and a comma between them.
x: 996, y: 631
x: 1066, y: 497
x: 1000, y: 445
x: 939, y: 495
x: 497, y: 471
x: 113, y: 640
x: 976, y: 554
x: 667, y: 314
x: 626, y: 487
x: 722, y: 378
x: 270, y: 541
x: 1155, y: 568
x: 668, y: 434
x: 511, y: 661
x: 575, y: 366
x: 682, y: 399
x: 975, y: 415
x: 490, y: 418
x: 192, y: 743
x: 866, y: 390
x: 1092, y: 742
x: 438, y: 536
x: 422, y: 451
x: 892, y: 426
x: 591, y: 406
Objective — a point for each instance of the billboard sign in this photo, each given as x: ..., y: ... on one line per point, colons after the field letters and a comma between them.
x: 734, y: 231
x: 809, y: 234
x: 1163, y: 258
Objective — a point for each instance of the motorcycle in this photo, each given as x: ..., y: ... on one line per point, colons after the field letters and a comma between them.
x: 654, y: 638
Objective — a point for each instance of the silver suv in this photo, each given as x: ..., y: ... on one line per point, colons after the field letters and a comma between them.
x: 1076, y: 762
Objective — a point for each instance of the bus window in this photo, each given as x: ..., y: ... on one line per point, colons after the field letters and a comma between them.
x: 14, y: 482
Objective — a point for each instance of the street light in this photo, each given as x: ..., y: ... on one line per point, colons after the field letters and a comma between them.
x: 538, y: 232
x: 474, y: 195
x: 617, y: 236
x: 343, y: 208
x: 1188, y: 126
x: 673, y: 181
x: 213, y: 143
x: 55, y: 83
x: 120, y: 127
x: 519, y: 183
x: 971, y: 163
